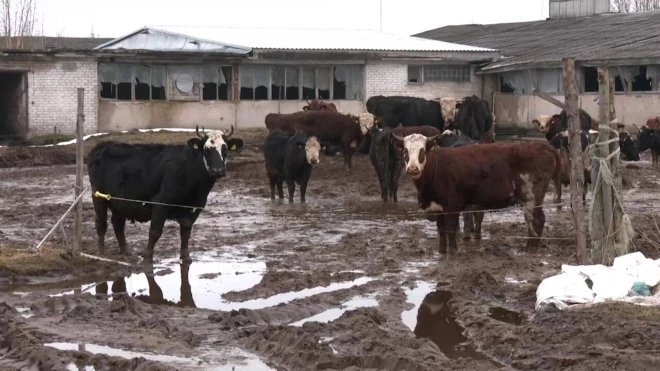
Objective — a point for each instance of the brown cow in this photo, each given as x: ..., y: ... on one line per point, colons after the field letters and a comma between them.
x: 653, y: 123
x: 486, y: 176
x: 319, y: 105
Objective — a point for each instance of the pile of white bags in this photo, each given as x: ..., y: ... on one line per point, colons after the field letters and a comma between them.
x: 608, y: 283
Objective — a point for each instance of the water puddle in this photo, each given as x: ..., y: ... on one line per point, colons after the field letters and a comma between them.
x: 505, y: 315
x: 436, y: 322
x: 334, y: 313
x: 415, y: 296
x: 248, y: 361
x: 202, y: 283
x: 74, y: 367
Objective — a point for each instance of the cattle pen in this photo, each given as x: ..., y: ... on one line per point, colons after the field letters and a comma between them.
x: 342, y: 282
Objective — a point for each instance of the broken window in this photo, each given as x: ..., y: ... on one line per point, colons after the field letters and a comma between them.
x: 216, y: 82
x: 415, y: 74
x: 505, y: 87
x: 108, y: 80
x: 254, y: 82
x: 308, y: 80
x: 653, y: 73
x: 292, y: 83
x: 518, y: 82
x: 142, y: 79
x: 323, y: 79
x: 590, y: 80
x: 348, y: 82
x: 158, y: 82
x: 277, y: 82
x: 185, y: 82
x: 643, y: 81
x: 550, y: 80
x: 124, y: 81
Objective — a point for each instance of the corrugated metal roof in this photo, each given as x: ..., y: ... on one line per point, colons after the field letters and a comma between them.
x: 153, y: 39
x: 300, y: 39
x: 604, y: 37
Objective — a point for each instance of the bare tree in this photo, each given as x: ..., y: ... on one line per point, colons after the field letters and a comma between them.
x: 17, y: 20
x: 628, y: 6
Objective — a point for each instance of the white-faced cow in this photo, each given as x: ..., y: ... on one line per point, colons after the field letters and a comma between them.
x: 162, y: 175
x: 486, y: 176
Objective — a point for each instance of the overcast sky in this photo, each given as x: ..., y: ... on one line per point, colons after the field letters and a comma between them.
x: 115, y: 18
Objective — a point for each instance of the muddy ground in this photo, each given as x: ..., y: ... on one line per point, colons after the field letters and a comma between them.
x: 343, y: 282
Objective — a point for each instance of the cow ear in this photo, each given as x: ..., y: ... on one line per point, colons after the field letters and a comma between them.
x: 195, y: 143
x: 234, y: 144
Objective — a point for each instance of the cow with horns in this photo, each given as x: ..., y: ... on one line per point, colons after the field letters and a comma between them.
x: 319, y: 105
x: 156, y: 182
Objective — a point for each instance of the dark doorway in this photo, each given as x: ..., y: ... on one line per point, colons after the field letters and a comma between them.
x: 13, y: 107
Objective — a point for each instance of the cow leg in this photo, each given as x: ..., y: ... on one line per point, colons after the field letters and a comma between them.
x: 451, y: 225
x: 478, y: 218
x: 119, y: 224
x: 394, y: 188
x: 442, y: 234
x: 557, y: 198
x: 535, y: 219
x: 101, y: 221
x: 280, y: 190
x: 158, y: 216
x: 185, y: 229
x: 654, y: 158
x: 468, y: 225
x: 303, y: 190
x: 272, y: 188
x: 291, y: 187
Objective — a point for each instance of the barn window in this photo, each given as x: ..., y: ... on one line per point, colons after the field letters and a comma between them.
x: 415, y: 74
x: 142, y: 81
x: 550, y: 80
x: 517, y: 82
x: 347, y: 82
x: 308, y: 82
x: 217, y: 82
x: 254, y: 82
x: 108, y: 80
x: 277, y: 76
x: 447, y: 73
x: 292, y: 79
x: 158, y: 82
x: 643, y: 81
x: 323, y: 82
x: 124, y: 81
x: 185, y: 82
x: 590, y: 80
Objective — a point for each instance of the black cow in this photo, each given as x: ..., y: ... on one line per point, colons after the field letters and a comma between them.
x: 387, y: 161
x: 474, y: 118
x: 330, y: 149
x: 407, y: 111
x: 161, y: 174
x: 290, y: 157
x: 629, y: 151
x: 649, y: 139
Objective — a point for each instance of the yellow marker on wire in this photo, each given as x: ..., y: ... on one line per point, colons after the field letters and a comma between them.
x: 102, y: 195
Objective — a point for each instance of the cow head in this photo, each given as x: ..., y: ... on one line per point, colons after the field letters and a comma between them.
x: 647, y: 138
x: 542, y: 123
x: 367, y: 121
x: 214, y: 147
x: 414, y: 148
x: 309, y: 146
x: 628, y: 148
x: 448, y: 108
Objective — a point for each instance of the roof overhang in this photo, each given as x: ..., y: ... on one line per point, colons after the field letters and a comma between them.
x: 500, y: 67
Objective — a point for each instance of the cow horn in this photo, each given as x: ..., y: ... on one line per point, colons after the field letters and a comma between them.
x: 197, y: 131
x: 231, y: 132
x: 397, y: 137
x: 432, y: 139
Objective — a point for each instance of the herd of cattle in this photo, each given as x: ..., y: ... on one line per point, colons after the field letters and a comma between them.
x: 447, y: 147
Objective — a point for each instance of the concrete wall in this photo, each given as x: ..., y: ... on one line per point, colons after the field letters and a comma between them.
x: 52, y: 97
x: 519, y: 110
x: 392, y: 79
x: 117, y: 116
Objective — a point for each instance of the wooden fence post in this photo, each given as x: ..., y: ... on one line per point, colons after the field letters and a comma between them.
x: 577, y: 167
x: 80, y: 134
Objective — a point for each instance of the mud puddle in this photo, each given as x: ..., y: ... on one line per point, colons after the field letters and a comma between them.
x: 506, y: 315
x: 248, y: 362
x: 436, y: 322
x: 334, y: 313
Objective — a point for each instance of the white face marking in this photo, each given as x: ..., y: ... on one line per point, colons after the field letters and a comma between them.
x: 312, y: 149
x: 448, y: 108
x: 434, y: 208
x: 542, y: 122
x: 447, y: 132
x: 414, y: 146
x: 366, y: 122
x: 215, y: 141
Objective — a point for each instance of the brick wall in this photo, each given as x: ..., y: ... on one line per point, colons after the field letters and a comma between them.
x: 392, y: 79
x: 52, y: 96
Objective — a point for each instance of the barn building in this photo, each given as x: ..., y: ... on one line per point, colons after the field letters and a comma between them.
x: 531, y: 53
x: 159, y: 77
